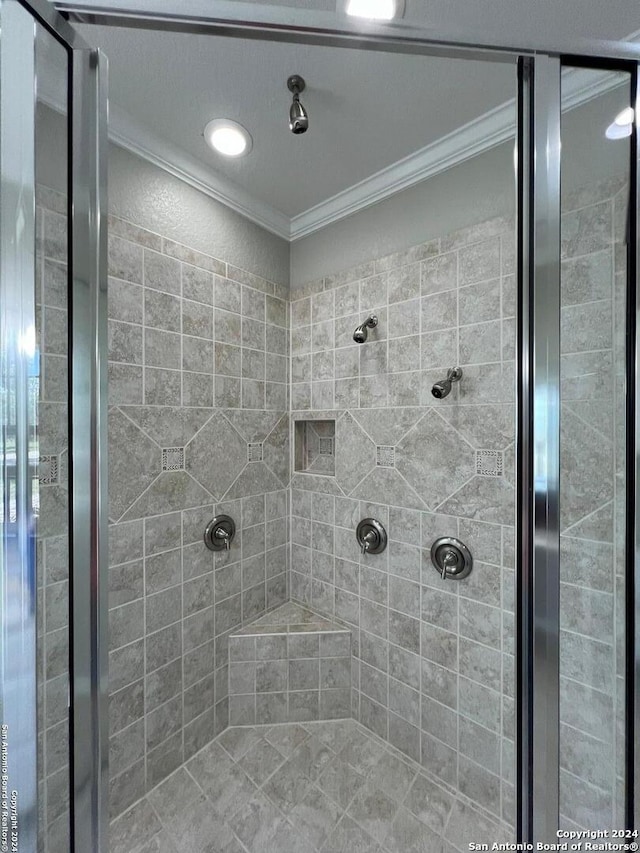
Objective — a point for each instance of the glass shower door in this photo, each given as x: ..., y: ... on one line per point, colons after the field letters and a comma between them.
x: 577, y: 370
x: 52, y: 314
x: 593, y: 334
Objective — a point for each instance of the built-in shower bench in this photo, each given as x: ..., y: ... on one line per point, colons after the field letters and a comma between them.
x: 290, y: 665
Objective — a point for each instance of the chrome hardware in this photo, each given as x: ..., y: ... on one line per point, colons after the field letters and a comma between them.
x: 371, y: 536
x: 219, y: 533
x: 448, y: 561
x: 451, y: 558
x: 360, y: 334
x: 443, y: 388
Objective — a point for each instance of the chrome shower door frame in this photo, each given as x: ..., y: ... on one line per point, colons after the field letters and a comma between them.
x: 538, y: 443
x: 537, y: 519
x: 538, y: 449
x: 87, y: 218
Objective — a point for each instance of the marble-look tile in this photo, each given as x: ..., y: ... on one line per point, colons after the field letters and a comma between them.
x: 586, y: 230
x: 261, y: 761
x: 238, y: 741
x: 465, y: 823
x: 408, y: 835
x: 430, y: 803
x: 287, y: 787
x: 434, y: 460
x: 479, y: 261
x: 311, y: 758
x: 348, y: 837
x: 134, y: 828
x: 374, y: 811
x: 257, y: 823
x: 315, y: 816
x: 340, y: 782
x: 125, y: 258
x: 134, y: 463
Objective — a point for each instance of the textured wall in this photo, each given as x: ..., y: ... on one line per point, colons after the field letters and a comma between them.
x: 142, y: 193
x: 433, y: 660
x: 152, y: 198
x: 198, y: 425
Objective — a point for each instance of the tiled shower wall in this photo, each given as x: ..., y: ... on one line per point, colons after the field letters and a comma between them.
x: 592, y: 621
x: 50, y: 391
x: 433, y: 660
x: 198, y: 425
x: 433, y: 666
x: 198, y: 387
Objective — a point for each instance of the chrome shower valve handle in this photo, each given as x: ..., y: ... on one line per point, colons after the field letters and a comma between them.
x: 367, y: 541
x: 451, y: 558
x: 219, y: 533
x: 371, y: 536
x: 448, y: 561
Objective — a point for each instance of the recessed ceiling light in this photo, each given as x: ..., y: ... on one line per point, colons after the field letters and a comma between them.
x: 228, y: 137
x: 625, y: 117
x: 375, y: 10
x: 622, y: 125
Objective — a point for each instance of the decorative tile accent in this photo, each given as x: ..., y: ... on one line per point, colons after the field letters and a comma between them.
x: 385, y: 456
x: 325, y: 447
x: 489, y: 463
x: 172, y: 458
x: 254, y: 451
x: 48, y: 470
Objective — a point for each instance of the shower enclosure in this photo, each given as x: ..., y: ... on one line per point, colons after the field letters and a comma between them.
x: 425, y: 527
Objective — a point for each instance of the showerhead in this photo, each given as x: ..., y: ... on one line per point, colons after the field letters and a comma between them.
x: 361, y: 332
x: 443, y: 388
x: 298, y: 117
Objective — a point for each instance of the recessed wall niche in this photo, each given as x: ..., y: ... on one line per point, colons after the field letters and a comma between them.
x: 315, y: 447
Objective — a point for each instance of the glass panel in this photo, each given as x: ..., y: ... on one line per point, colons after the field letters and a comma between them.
x: 595, y: 188
x: 18, y: 440
x: 428, y: 667
x: 50, y: 397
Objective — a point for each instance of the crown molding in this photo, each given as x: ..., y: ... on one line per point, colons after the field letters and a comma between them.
x: 475, y: 137
x: 464, y: 143
x: 125, y: 132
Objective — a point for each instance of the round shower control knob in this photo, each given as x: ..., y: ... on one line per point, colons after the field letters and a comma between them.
x: 219, y: 533
x: 371, y: 536
x: 451, y: 558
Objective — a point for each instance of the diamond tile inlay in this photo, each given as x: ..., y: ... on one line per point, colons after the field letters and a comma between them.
x: 48, y: 470
x: 355, y: 453
x: 385, y: 456
x: 254, y: 451
x: 489, y: 463
x: 434, y: 459
x: 216, y: 455
x: 134, y: 463
x: 172, y: 458
x: 276, y: 450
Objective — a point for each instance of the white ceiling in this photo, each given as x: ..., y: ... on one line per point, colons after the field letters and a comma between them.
x: 367, y: 110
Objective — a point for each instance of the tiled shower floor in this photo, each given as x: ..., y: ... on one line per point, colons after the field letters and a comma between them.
x: 299, y: 788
